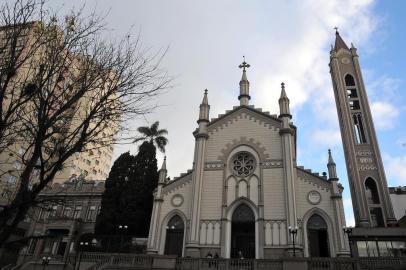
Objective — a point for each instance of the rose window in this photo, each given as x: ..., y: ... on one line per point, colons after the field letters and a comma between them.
x: 243, y: 164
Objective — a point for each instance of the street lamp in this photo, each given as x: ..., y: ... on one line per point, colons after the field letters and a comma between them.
x: 45, y: 262
x: 293, y: 232
x: 122, y: 229
x: 348, y: 232
x: 81, y: 246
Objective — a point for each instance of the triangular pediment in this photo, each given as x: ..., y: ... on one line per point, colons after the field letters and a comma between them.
x: 254, y: 113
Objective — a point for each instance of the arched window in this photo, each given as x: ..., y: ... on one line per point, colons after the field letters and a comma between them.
x: 355, y: 107
x: 371, y: 191
x: 359, y: 128
x: 349, y: 80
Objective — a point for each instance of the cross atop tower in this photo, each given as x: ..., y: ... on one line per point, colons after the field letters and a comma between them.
x: 336, y: 28
x: 244, y: 64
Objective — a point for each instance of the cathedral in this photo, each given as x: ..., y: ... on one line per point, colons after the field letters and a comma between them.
x: 246, y: 195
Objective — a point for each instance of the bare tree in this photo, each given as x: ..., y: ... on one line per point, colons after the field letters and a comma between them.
x: 61, y: 85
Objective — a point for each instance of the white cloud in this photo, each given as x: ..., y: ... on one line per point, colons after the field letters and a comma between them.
x: 349, y: 216
x: 384, y: 114
x: 395, y: 168
x: 283, y: 41
x: 327, y: 137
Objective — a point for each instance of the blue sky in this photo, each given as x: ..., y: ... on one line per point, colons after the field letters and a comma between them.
x: 283, y: 41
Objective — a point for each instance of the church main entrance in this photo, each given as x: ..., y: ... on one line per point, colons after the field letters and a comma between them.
x: 318, y: 237
x: 243, y: 233
x: 174, y: 236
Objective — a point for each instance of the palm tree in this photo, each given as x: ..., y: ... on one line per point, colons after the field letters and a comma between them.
x: 154, y: 135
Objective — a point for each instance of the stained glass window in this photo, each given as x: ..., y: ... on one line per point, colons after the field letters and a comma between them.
x: 243, y: 164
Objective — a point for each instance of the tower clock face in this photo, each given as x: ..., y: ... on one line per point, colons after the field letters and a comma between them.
x: 345, y: 60
x: 314, y: 197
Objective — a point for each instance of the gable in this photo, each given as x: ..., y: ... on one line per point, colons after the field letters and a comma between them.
x: 244, y: 126
x: 254, y: 113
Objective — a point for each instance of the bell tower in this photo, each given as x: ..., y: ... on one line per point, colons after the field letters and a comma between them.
x: 366, y: 175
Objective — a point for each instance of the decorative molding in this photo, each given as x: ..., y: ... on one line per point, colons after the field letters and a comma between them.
x: 272, y: 221
x: 177, y: 183
x: 314, y: 197
x: 272, y: 163
x: 313, y: 179
x: 243, y: 141
x: 247, y: 112
x: 177, y: 200
x: 214, y: 166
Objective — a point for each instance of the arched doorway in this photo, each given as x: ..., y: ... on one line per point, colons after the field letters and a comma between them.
x: 243, y: 232
x: 174, y: 236
x: 317, y: 234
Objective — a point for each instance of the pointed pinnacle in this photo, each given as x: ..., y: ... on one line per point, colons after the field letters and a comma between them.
x: 164, y: 164
x: 283, y: 93
x: 330, y: 157
x: 205, y: 100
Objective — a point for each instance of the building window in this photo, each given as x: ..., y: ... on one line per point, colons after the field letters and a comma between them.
x: 371, y: 191
x: 67, y: 212
x: 78, y: 210
x: 381, y: 248
x: 53, y: 211
x: 32, y: 245
x: 90, y: 213
x: 243, y: 164
x: 376, y: 217
x: 349, y: 80
x: 359, y: 128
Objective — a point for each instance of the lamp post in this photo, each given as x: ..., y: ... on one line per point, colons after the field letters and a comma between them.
x: 45, y: 262
x: 122, y: 229
x: 81, y: 246
x: 348, y: 231
x: 293, y: 232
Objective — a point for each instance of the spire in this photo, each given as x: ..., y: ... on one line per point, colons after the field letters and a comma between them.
x: 284, y: 103
x: 162, y: 172
x: 330, y: 158
x: 204, y: 108
x: 332, y: 173
x: 163, y: 167
x: 339, y: 44
x: 244, y: 96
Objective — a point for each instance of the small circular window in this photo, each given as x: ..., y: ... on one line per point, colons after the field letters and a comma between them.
x: 243, y: 164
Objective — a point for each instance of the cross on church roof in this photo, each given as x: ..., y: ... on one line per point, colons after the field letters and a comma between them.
x: 336, y: 28
x: 244, y: 64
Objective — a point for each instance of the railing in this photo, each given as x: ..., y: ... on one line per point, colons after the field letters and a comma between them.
x: 99, y: 264
x: 382, y: 263
x: 332, y: 263
x: 8, y: 266
x: 135, y: 261
x: 229, y: 264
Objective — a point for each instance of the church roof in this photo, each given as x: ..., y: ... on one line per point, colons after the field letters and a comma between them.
x: 314, y: 177
x: 251, y: 108
x: 178, y: 181
x: 339, y: 44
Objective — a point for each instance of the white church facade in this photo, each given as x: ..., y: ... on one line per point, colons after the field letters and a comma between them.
x: 246, y: 195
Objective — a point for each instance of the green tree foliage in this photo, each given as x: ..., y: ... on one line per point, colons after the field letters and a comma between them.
x: 154, y: 135
x: 128, y: 197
